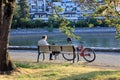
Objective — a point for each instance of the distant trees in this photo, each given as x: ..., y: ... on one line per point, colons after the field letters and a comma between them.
x: 54, y: 22
x: 21, y: 15
x: 23, y: 9
x: 107, y: 9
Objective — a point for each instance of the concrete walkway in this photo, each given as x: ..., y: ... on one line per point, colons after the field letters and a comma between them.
x: 103, y: 59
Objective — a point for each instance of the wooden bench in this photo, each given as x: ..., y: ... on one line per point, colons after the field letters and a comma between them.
x: 67, y: 51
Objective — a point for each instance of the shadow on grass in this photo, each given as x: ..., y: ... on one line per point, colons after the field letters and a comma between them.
x: 96, y: 75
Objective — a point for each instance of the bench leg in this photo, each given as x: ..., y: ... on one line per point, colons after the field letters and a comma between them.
x: 73, y: 60
x: 38, y: 57
x: 43, y: 56
x: 74, y: 56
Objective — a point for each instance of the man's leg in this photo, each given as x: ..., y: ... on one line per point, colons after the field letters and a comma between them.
x: 50, y: 56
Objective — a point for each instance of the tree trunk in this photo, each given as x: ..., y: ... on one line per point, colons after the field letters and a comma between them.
x: 6, y: 15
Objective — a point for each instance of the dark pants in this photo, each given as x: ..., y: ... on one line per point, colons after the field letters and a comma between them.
x: 50, y: 56
x: 53, y: 53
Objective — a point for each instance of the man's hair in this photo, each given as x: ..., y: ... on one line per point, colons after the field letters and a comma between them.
x: 69, y: 39
x: 44, y: 36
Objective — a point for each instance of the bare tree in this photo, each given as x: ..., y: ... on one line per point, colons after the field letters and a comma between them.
x: 6, y: 15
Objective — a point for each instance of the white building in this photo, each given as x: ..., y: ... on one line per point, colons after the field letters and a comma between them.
x: 71, y: 9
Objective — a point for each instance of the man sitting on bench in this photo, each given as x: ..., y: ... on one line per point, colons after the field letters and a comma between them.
x: 43, y: 41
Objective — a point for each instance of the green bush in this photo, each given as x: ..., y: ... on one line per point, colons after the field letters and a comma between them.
x: 14, y: 24
x: 92, y: 21
x: 54, y: 23
x: 38, y: 23
x: 26, y: 23
x: 81, y: 23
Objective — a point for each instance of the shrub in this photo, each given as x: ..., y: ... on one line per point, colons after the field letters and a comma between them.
x: 14, y: 24
x: 54, y: 23
x: 38, y: 23
x: 81, y: 23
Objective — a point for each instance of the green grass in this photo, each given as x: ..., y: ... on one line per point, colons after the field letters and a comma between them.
x: 32, y: 65
x: 62, y: 71
x: 95, y: 75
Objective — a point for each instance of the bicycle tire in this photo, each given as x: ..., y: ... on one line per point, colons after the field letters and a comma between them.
x: 69, y: 56
x: 89, y: 55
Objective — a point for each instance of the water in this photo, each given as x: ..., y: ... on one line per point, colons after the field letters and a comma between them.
x: 90, y: 39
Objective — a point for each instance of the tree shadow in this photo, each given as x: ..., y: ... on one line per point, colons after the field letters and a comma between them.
x: 95, y: 75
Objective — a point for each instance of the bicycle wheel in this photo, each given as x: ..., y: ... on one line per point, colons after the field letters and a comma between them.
x: 68, y: 56
x: 89, y: 54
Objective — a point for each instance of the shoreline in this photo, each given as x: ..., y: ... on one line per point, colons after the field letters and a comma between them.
x: 56, y: 30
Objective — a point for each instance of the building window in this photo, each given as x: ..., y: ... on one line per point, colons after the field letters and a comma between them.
x: 68, y: 0
x: 33, y: 6
x: 36, y: 16
x: 43, y: 16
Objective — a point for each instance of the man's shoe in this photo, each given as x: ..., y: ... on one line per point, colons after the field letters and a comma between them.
x: 50, y: 59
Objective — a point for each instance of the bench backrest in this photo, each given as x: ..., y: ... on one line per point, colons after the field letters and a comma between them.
x: 49, y: 48
x: 44, y: 48
x: 68, y: 48
x: 55, y: 48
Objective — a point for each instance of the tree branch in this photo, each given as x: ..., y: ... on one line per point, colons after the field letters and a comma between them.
x: 116, y: 7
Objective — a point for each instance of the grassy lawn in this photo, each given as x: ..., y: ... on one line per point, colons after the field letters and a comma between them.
x: 60, y: 71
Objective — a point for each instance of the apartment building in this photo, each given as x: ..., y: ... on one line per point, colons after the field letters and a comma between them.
x: 39, y: 9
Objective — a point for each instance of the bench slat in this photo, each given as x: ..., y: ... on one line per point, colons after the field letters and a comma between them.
x: 44, y: 48
x: 68, y: 48
x: 55, y: 48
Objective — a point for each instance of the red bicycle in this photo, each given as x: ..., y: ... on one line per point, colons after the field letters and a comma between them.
x: 87, y: 53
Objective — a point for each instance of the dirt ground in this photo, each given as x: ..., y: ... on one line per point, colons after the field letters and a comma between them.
x: 103, y: 59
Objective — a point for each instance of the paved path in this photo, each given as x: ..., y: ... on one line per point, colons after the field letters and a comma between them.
x: 104, y: 59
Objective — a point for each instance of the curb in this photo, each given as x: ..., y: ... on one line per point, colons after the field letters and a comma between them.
x: 104, y: 49
x: 22, y: 47
x: 99, y: 49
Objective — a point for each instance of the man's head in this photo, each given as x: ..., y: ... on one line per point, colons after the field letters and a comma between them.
x: 44, y: 37
x: 69, y: 39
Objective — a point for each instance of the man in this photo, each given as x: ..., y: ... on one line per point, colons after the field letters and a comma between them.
x: 43, y: 41
x: 69, y: 41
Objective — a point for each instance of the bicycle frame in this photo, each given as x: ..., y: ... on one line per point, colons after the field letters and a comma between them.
x: 80, y: 50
